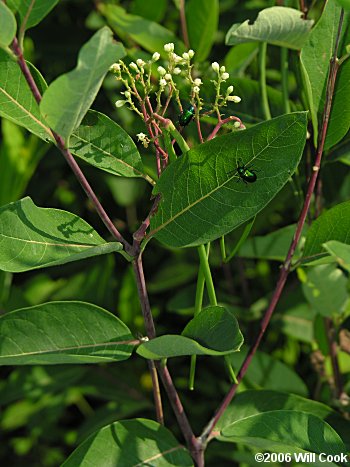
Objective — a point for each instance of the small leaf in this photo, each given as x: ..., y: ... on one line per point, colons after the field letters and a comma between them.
x: 273, y: 246
x: 69, y: 97
x: 267, y: 372
x: 16, y: 99
x: 137, y: 442
x: 326, y: 289
x: 331, y: 225
x: 104, y: 144
x: 340, y: 251
x: 315, y: 60
x: 31, y: 12
x: 7, y: 25
x: 63, y: 332
x: 202, y: 195
x: 214, y: 331
x: 202, y: 23
x: 249, y: 403
x: 150, y: 35
x: 285, y: 430
x: 276, y: 25
x: 32, y: 237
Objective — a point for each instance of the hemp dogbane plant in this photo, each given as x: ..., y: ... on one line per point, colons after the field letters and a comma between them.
x: 210, y: 164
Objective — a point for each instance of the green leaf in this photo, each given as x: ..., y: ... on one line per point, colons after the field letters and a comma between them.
x: 32, y: 237
x: 68, y: 98
x: 148, y: 34
x: 273, y: 246
x: 7, y: 25
x: 249, y: 403
x: 214, y: 331
x: 31, y: 12
x: 267, y: 372
x: 240, y: 57
x: 63, y: 332
x: 137, y: 442
x: 286, y: 430
x: 16, y: 99
x: 331, y: 225
x: 339, y: 121
x: 340, y: 251
x: 104, y: 144
x: 202, y: 196
x: 202, y: 21
x: 326, y: 289
x: 315, y: 59
x: 276, y: 25
x: 152, y: 9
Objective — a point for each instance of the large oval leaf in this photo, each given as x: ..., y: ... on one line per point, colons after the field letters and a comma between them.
x: 128, y: 443
x: 214, y: 331
x: 249, y: 403
x: 286, y: 431
x: 17, y: 102
x: 104, y: 144
x: 32, y: 237
x: 202, y: 197
x: 63, y: 332
x: 31, y: 12
x: 276, y: 25
x: 68, y: 98
x: 331, y: 225
x: 7, y: 25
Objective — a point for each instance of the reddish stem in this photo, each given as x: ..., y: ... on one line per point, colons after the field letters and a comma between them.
x: 223, y: 122
x: 287, y: 263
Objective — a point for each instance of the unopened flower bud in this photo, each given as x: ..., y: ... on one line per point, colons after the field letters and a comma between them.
x: 169, y: 47
x: 215, y: 66
x: 140, y: 62
x: 168, y: 76
x: 197, y: 81
x: 127, y: 94
x: 162, y: 82
x: 235, y: 99
x: 225, y: 76
x: 237, y: 125
x: 191, y: 53
x: 222, y: 69
x: 177, y: 58
x: 177, y: 71
x: 115, y: 68
x: 120, y: 103
x: 229, y: 90
x: 133, y: 66
x: 186, y: 56
x: 161, y: 71
x: 155, y: 57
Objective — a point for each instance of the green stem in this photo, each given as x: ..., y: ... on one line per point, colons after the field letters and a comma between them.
x: 207, y: 274
x: 240, y: 242
x: 262, y: 71
x: 169, y: 147
x: 223, y: 248
x: 284, y: 72
x: 231, y: 371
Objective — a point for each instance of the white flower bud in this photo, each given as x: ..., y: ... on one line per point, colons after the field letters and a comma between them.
x: 225, y: 76
x: 197, y: 82
x: 161, y: 71
x: 215, y: 66
x: 196, y: 89
x: 235, y: 99
x: 169, y: 47
x: 115, y: 68
x: 120, y: 103
x: 162, y: 82
x: 155, y: 57
x: 222, y: 69
x: 177, y: 58
x: 168, y: 77
x: 191, y: 53
x: 229, y: 90
x: 177, y: 71
x: 127, y: 94
x: 237, y: 125
x: 186, y: 56
x: 133, y: 66
x: 140, y: 62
